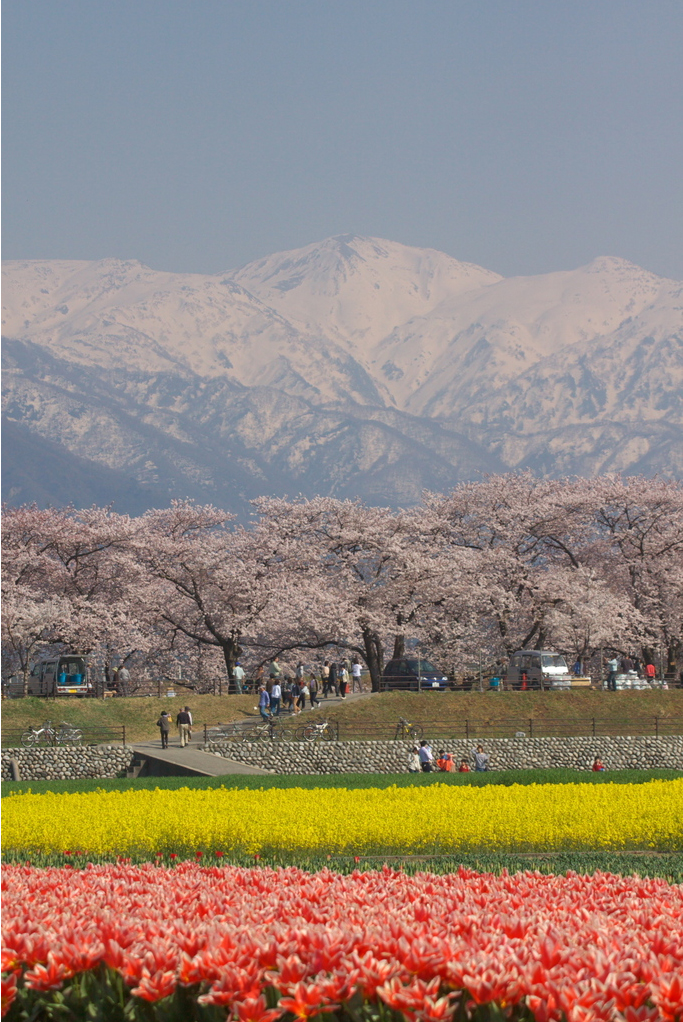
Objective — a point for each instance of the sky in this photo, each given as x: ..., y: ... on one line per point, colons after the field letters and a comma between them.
x: 196, y: 136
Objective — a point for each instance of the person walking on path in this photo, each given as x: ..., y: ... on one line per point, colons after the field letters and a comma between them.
x: 481, y: 759
x: 295, y: 692
x: 275, y: 697
x: 164, y: 725
x: 356, y: 671
x: 343, y: 681
x: 426, y: 758
x: 313, y: 691
x: 325, y: 676
x: 184, y: 720
x: 238, y: 675
x: 287, y: 697
x: 264, y: 704
x: 613, y: 670
x: 333, y: 686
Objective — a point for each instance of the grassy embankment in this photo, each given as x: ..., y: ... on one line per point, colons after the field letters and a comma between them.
x: 139, y: 715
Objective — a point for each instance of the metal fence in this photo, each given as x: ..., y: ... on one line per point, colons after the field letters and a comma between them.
x: 510, y: 727
x: 11, y: 737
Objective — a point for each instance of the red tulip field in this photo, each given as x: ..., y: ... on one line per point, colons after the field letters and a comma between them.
x: 130, y: 942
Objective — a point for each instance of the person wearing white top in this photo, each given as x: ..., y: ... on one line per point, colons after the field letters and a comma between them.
x: 238, y: 675
x: 275, y: 696
x: 356, y: 671
x: 426, y: 757
x: 414, y: 760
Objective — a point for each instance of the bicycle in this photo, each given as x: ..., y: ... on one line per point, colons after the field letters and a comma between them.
x: 68, y: 733
x: 222, y: 733
x: 35, y: 735
x: 404, y: 729
x: 270, y: 731
x: 313, y: 732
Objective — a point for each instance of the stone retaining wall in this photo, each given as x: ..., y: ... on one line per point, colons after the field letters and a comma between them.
x: 391, y: 757
x: 63, y: 763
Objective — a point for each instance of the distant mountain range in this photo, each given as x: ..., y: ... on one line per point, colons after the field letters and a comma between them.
x: 351, y: 367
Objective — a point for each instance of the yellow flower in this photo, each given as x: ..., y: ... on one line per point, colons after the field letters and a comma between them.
x: 440, y: 818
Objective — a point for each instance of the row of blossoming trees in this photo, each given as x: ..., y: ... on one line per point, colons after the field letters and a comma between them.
x: 499, y: 565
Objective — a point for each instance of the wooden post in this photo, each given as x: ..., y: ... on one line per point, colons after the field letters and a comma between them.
x: 124, y: 734
x: 531, y: 728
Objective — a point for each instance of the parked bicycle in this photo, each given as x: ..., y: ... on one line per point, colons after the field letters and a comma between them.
x: 404, y: 729
x: 312, y: 732
x: 270, y: 731
x: 50, y: 735
x: 223, y: 733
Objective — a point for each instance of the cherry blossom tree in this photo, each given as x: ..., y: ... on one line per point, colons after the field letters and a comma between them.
x: 372, y: 561
x: 28, y: 623
x: 641, y: 525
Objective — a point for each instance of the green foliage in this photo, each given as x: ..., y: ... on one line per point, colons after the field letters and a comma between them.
x: 651, y: 864
x: 310, y: 781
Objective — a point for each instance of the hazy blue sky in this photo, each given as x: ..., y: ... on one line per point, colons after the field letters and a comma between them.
x: 197, y: 135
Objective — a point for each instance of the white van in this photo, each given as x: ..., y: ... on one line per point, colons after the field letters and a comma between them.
x: 538, y: 668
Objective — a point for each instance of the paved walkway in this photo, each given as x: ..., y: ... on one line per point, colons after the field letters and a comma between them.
x: 191, y: 760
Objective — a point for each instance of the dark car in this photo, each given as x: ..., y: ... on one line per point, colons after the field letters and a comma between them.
x: 413, y: 675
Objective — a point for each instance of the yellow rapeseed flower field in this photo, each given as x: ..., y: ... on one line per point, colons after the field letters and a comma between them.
x: 436, y: 819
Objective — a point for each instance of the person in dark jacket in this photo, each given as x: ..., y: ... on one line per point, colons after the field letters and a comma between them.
x: 164, y: 725
x: 334, y: 684
x: 184, y: 722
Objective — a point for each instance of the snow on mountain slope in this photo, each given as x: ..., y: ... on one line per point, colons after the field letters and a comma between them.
x: 474, y: 344
x: 358, y: 290
x: 123, y: 315
x: 354, y: 366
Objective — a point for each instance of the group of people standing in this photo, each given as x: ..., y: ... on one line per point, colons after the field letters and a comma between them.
x: 626, y: 665
x: 422, y: 759
x: 280, y: 693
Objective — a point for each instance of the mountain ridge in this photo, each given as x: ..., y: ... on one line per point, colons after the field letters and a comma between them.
x: 354, y: 366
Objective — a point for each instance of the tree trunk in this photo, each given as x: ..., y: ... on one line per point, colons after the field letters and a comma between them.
x: 24, y: 676
x: 374, y: 656
x: 672, y: 651
x: 229, y: 647
x: 399, y: 646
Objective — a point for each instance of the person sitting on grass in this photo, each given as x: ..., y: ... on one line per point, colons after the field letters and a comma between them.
x: 445, y: 762
x: 464, y: 767
x: 598, y: 765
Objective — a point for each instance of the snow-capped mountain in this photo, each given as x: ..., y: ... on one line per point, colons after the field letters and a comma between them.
x: 355, y: 366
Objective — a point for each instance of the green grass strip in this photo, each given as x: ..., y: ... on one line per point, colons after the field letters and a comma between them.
x: 309, y: 781
x: 668, y: 866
